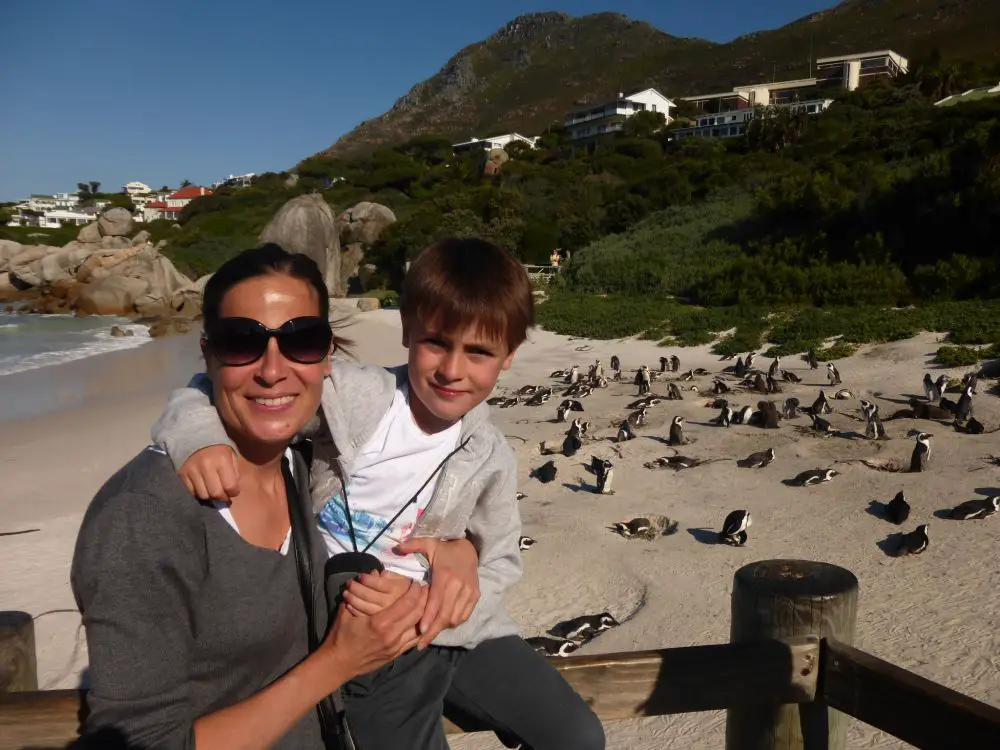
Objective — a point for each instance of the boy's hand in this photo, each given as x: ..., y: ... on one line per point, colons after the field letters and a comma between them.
x: 212, y: 474
x: 370, y: 593
x: 454, y: 586
x: 364, y: 643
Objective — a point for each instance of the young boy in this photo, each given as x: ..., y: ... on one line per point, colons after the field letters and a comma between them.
x: 406, y: 456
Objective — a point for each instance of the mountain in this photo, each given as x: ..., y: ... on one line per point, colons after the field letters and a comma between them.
x: 532, y: 71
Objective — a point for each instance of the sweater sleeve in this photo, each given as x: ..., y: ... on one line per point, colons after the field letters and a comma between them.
x: 495, y: 528
x: 190, y: 422
x: 137, y: 569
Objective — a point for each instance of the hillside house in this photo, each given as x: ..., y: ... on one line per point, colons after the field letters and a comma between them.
x: 497, y: 141
x: 983, y: 92
x: 848, y: 72
x: 170, y: 207
x: 610, y: 116
x: 136, y: 188
x: 735, y: 123
x: 236, y: 181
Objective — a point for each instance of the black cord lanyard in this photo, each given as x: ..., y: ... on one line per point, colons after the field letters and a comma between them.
x: 407, y: 504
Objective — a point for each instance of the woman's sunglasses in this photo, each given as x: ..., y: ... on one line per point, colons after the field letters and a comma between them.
x: 240, y: 341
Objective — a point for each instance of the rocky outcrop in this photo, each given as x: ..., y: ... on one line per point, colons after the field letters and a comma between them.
x: 90, y: 233
x: 306, y: 225
x: 115, y: 222
x: 114, y: 295
x: 364, y: 223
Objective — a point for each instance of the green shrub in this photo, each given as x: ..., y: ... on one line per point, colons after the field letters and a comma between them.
x: 839, y: 350
x: 957, y: 356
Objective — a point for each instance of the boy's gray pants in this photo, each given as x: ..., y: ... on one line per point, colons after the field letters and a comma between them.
x: 502, y: 683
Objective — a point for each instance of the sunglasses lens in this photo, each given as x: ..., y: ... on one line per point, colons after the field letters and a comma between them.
x: 305, y: 340
x: 237, y: 341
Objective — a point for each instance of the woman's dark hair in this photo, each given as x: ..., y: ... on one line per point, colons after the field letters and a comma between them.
x: 261, y: 261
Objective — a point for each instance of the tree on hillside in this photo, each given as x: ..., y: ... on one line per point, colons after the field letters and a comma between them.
x: 643, y: 124
x: 95, y: 187
x: 185, y: 183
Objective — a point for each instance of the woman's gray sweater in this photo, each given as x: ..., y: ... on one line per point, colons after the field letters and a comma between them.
x: 183, y: 617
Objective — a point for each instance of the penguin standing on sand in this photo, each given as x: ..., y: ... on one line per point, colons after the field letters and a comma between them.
x: 822, y: 426
x: 561, y: 413
x: 875, y: 430
x: 769, y: 417
x: 964, y: 410
x: 821, y: 405
x: 638, y: 417
x: 598, y: 370
x: 832, y: 373
x: 725, y: 418
x: 677, y: 431
x: 574, y: 375
x: 615, y: 362
x: 931, y: 392
x: 605, y: 477
x: 921, y: 452
x: 664, y: 364
x: 734, y: 528
x: 675, y: 363
x: 915, y: 542
x: 791, y: 408
x: 642, y: 379
x: 811, y: 359
x: 750, y: 358
x: 772, y: 371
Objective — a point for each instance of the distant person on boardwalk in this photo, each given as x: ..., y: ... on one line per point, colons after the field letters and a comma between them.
x: 554, y: 258
x: 197, y: 615
x: 405, y: 459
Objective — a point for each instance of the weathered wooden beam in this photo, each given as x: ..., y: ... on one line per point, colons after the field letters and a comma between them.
x: 18, y: 667
x: 40, y: 719
x: 616, y: 686
x: 914, y: 709
x: 781, y: 599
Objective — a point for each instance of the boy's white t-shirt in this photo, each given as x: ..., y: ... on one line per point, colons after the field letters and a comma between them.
x: 388, y: 470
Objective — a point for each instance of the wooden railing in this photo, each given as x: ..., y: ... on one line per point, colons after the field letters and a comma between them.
x: 781, y: 693
x: 543, y: 274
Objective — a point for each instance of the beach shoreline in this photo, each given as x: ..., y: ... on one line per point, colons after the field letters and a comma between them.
x: 933, y: 614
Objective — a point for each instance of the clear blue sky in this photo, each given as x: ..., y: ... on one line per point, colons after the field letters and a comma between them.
x: 118, y: 90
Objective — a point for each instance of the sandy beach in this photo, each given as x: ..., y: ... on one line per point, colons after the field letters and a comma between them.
x: 935, y: 613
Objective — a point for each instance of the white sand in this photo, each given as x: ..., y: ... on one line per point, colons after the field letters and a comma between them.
x: 934, y: 614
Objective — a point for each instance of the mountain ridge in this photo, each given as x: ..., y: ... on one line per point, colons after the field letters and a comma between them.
x: 530, y: 72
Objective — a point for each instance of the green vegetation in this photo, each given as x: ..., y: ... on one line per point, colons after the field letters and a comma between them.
x: 957, y: 356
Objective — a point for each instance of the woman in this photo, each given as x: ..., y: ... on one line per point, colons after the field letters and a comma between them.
x: 196, y: 623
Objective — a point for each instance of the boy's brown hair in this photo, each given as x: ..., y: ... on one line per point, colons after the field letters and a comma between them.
x: 455, y: 283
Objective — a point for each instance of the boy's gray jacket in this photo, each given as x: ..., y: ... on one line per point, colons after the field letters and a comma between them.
x: 475, y: 493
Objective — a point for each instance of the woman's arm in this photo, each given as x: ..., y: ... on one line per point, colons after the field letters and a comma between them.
x: 136, y: 573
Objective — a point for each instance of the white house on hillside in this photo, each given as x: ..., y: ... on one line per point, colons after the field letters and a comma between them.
x: 236, y: 180
x: 610, y: 116
x: 735, y: 122
x: 497, y: 141
x: 173, y: 205
x: 136, y: 188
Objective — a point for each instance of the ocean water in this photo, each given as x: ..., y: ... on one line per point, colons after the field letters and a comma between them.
x: 28, y: 342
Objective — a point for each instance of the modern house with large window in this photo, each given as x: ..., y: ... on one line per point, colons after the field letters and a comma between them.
x: 610, y: 116
x: 497, y: 141
x: 848, y: 72
x: 735, y: 123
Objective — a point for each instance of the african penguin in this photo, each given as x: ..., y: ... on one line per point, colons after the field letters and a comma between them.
x: 974, y: 427
x: 811, y: 359
x: 561, y: 414
x: 744, y: 415
x: 790, y: 377
x: 718, y: 387
x: 750, y: 358
x: 769, y: 416
x: 551, y: 646
x: 821, y: 405
x: 980, y: 508
x: 726, y: 417
x: 539, y: 398
x: 897, y: 510
x: 822, y: 426
x: 525, y: 542
x: 638, y: 417
x: 615, y: 363
x: 677, y: 431
x: 675, y: 363
x: 757, y: 460
x: 734, y: 528
x: 832, y: 373
x: 964, y: 409
x: 545, y: 473
x: 921, y: 452
x: 772, y: 371
x: 875, y: 430
x: 815, y: 476
x: 571, y: 405
x: 625, y: 432
x: 930, y: 390
x: 583, y: 628
x: 791, y: 408
x: 574, y: 375
x: 605, y: 477
x: 664, y: 364
x: 915, y: 542
x: 673, y: 392
x: 572, y: 443
x: 971, y: 379
x: 635, y: 527
x: 759, y: 384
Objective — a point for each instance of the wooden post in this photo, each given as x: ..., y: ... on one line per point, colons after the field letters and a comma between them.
x: 18, y: 667
x: 779, y: 599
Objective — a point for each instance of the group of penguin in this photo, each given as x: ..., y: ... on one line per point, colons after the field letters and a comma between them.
x: 735, y: 527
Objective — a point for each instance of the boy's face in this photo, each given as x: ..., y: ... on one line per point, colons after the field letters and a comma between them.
x: 450, y: 373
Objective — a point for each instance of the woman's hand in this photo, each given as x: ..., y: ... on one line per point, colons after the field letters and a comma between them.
x: 212, y: 473
x: 360, y: 643
x: 370, y: 593
x: 454, y: 585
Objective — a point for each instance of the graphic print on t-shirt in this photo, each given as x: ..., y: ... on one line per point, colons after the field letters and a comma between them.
x: 389, y: 469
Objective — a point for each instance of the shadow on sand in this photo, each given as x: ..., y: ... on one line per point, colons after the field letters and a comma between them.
x: 704, y: 536
x: 890, y: 544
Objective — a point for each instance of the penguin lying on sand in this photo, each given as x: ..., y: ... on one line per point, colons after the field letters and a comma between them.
x: 757, y: 460
x: 545, y: 473
x: 525, y: 542
x: 625, y: 432
x: 896, y: 510
x: 584, y: 628
x: 976, y: 509
x: 551, y: 646
x: 815, y: 476
x: 645, y: 527
x: 915, y: 542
